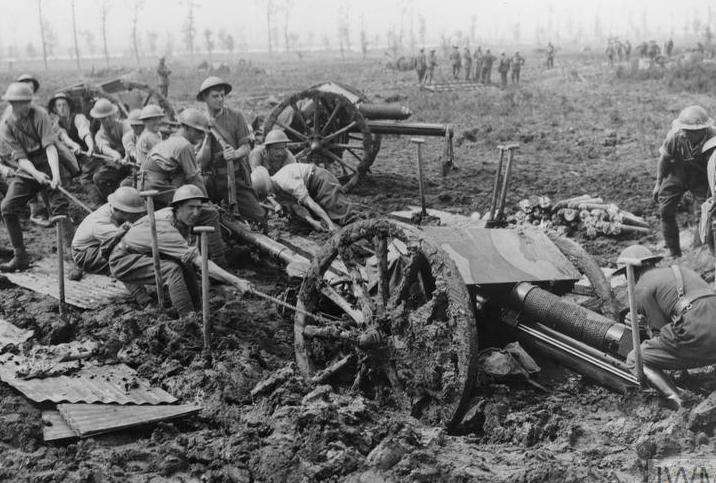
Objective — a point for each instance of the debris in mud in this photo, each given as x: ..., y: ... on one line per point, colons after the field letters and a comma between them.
x: 10, y: 335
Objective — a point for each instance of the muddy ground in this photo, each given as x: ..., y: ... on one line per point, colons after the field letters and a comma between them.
x: 591, y: 133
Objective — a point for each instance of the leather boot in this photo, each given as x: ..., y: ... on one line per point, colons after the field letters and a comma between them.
x: 20, y: 260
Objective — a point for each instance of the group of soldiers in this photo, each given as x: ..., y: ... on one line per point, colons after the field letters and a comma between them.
x: 209, y: 166
x: 621, y: 51
x: 472, y: 66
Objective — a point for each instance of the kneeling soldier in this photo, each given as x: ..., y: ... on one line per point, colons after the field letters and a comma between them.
x: 131, y: 260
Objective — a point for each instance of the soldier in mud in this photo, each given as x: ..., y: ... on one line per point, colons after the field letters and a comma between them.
x: 610, y: 53
x: 100, y: 232
x: 421, y: 66
x: 29, y: 133
x: 272, y: 154
x: 131, y: 260
x: 432, y: 65
x: 235, y: 140
x: 487, y: 62
x: 679, y: 307
x: 669, y: 47
x: 163, y: 72
x: 517, y: 62
x: 477, y: 64
x: 152, y: 117
x: 467, y: 63
x: 456, y: 61
x: 550, y: 55
x: 503, y: 68
x: 627, y: 50
x: 682, y: 167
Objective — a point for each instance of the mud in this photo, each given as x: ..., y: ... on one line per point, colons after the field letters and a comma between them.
x: 576, y: 138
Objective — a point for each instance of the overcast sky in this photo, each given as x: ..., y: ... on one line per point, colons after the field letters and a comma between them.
x: 246, y: 20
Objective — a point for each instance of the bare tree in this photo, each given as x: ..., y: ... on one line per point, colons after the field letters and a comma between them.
x: 270, y: 10
x: 422, y: 30
x: 137, y: 7
x: 152, y: 38
x: 209, y: 41
x: 227, y: 42
x: 189, y: 29
x: 42, y: 32
x: 89, y: 41
x: 169, y: 44
x: 103, y: 13
x: 287, y: 6
x: 30, y: 51
x: 363, y: 37
x: 344, y: 34
x: 74, y: 33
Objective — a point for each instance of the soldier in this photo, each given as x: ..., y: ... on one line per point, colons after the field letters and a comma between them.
x: 550, y: 55
x: 467, y: 62
x: 456, y: 61
x: 654, y: 50
x: 110, y: 140
x: 682, y: 167
x: 487, y: 62
x: 235, y: 143
x: 28, y: 131
x: 432, y: 64
x: 610, y: 53
x: 272, y: 154
x: 669, y: 47
x: 517, y: 62
x: 627, y: 50
x: 421, y: 66
x: 74, y: 126
x: 620, y: 50
x: 102, y: 229
x: 163, y: 72
x: 131, y: 137
x: 503, y: 68
x: 681, y: 306
x: 477, y: 64
x: 131, y: 260
x: 152, y: 117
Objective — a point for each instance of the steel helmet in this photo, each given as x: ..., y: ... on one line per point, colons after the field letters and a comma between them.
x: 261, y: 181
x: 194, y: 118
x: 31, y: 79
x: 18, y: 91
x: 276, y: 136
x: 635, y: 252
x: 188, y: 192
x: 56, y: 97
x: 693, y: 118
x: 127, y: 199
x: 211, y: 82
x: 103, y: 108
x: 133, y: 118
x: 151, y: 111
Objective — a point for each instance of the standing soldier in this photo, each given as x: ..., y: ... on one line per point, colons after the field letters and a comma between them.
x: 467, y: 62
x: 517, y: 63
x: 477, y: 64
x: 152, y: 117
x: 109, y: 141
x: 550, y: 55
x: 28, y: 131
x: 421, y: 66
x: 233, y: 142
x: 627, y: 50
x: 432, y: 64
x: 163, y: 72
x: 456, y: 62
x: 503, y: 68
x: 681, y: 168
x: 487, y: 62
x: 620, y: 50
x: 669, y: 47
x: 610, y: 53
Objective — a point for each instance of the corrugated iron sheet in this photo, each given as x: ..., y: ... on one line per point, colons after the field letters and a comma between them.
x: 92, y: 419
x: 92, y: 292
x: 55, y: 428
x: 92, y: 384
x: 10, y: 334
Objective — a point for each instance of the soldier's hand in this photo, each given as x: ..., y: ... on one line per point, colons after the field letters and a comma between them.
x: 75, y: 148
x: 40, y: 177
x: 55, y: 183
x: 655, y: 192
x: 244, y: 286
x: 229, y: 153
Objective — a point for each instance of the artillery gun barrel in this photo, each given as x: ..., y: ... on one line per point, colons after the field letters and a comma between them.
x: 384, y: 111
x: 410, y: 128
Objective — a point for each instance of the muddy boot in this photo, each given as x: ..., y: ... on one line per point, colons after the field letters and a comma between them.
x: 671, y: 236
x: 38, y: 214
x: 20, y: 260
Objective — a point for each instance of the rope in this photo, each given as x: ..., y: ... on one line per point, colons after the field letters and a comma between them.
x: 318, y: 318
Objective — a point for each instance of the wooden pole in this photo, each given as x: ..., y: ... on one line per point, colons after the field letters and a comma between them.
x: 58, y: 222
x: 631, y: 284
x: 203, y: 232
x: 421, y: 185
x: 149, y: 200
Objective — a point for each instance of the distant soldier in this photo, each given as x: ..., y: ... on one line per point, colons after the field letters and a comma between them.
x: 643, y: 50
x: 669, y: 47
x: 163, y: 72
x: 456, y: 61
x: 503, y: 68
x: 476, y: 64
x: 421, y: 66
x: 487, y: 62
x: 550, y: 55
x: 610, y: 53
x: 620, y: 50
x: 432, y: 64
x: 467, y: 63
x: 627, y: 50
x: 654, y: 50
x: 517, y: 62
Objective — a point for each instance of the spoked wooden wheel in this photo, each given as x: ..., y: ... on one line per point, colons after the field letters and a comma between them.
x: 326, y: 129
x: 151, y: 96
x: 404, y: 330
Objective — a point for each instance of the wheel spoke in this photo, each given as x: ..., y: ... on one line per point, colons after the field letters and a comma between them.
x: 303, y: 153
x: 316, y: 105
x: 360, y: 290
x: 298, y: 112
x: 330, y: 118
x: 342, y: 130
x: 337, y: 159
x: 360, y: 160
x: 381, y: 254
x: 410, y: 273
x: 345, y: 146
x: 293, y: 131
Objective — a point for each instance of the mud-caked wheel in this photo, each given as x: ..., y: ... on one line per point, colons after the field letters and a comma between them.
x: 404, y: 330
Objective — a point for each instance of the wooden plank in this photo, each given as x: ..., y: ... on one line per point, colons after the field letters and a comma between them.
x: 55, y: 428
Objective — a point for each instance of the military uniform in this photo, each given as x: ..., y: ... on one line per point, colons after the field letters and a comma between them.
x: 421, y: 66
x: 259, y: 157
x: 517, y: 63
x: 456, y: 63
x: 686, y: 321
x: 117, y: 137
x: 467, y: 62
x: 163, y: 72
x: 503, y: 68
x: 146, y: 142
x: 487, y: 62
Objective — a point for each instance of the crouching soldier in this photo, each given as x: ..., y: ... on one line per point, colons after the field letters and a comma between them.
x: 131, y: 260
x: 109, y: 141
x: 306, y: 190
x: 102, y: 229
x: 272, y: 154
x: 678, y: 304
x: 28, y: 131
x: 152, y: 117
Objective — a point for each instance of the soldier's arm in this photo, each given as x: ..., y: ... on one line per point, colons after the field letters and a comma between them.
x: 188, y: 165
x: 83, y: 129
x: 103, y: 145
x: 54, y: 161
